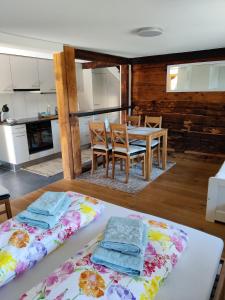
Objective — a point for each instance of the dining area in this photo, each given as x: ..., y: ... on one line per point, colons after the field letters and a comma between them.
x: 121, y: 147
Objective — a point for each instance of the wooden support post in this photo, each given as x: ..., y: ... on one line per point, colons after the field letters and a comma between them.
x: 124, y: 85
x: 70, y: 54
x: 64, y: 63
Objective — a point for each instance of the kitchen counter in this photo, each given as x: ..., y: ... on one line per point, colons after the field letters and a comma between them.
x: 30, y: 120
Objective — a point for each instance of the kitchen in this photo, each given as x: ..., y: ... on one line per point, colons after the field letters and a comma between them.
x: 29, y: 129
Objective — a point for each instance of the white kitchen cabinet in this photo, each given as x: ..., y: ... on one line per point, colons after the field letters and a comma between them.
x: 56, y: 136
x: 24, y: 72
x: 46, y: 75
x: 5, y: 74
x: 14, y: 145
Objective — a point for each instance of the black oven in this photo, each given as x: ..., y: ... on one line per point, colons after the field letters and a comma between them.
x: 39, y: 136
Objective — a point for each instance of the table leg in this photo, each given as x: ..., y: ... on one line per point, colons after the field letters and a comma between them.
x: 164, y: 151
x: 148, y: 161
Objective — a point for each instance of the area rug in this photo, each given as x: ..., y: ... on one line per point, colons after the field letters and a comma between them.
x: 54, y: 166
x: 136, y: 181
x: 47, y: 168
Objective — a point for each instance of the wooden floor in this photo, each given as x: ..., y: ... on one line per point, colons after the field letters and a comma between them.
x: 178, y: 195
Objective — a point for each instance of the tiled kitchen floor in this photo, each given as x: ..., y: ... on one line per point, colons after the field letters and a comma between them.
x: 22, y: 182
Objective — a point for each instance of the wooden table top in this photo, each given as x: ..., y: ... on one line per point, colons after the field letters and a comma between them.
x: 143, y: 132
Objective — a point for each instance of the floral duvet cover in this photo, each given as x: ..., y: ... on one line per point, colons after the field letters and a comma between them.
x: 78, y: 278
x: 22, y: 246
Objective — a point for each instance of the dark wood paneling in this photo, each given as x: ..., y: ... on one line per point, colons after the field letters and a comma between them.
x: 196, y: 121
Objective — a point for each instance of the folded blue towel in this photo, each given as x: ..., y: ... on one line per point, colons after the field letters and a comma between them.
x: 125, y: 235
x: 48, y: 204
x: 119, y: 262
x: 42, y: 221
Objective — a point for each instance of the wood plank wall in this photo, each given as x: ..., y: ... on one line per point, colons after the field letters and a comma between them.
x: 196, y: 121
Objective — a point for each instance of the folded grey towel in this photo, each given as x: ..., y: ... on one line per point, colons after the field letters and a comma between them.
x: 125, y: 235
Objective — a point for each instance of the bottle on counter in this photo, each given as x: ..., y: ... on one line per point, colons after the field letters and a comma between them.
x: 49, y: 110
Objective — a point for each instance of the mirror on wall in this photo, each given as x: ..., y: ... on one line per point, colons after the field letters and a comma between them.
x: 196, y: 77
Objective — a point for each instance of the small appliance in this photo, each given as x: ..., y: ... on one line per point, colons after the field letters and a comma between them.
x: 4, y: 113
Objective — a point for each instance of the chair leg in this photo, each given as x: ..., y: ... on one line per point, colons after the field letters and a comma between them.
x: 103, y: 160
x: 121, y: 164
x: 127, y: 168
x: 143, y: 166
x: 158, y: 155
x: 113, y: 166
x: 96, y: 162
x: 8, y: 209
x: 107, y: 164
x: 92, y: 163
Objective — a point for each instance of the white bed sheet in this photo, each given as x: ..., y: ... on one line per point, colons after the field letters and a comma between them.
x: 192, y: 278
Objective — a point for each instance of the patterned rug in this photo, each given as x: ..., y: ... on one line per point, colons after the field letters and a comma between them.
x: 136, y: 181
x: 54, y: 166
x: 47, y: 168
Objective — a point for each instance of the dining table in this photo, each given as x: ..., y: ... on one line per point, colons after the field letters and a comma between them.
x: 148, y: 134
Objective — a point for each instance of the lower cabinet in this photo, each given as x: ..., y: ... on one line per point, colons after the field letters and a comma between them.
x: 14, y: 145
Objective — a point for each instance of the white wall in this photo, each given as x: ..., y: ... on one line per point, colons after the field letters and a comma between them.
x: 84, y: 87
x: 98, y: 88
x: 27, y: 105
x: 106, y: 87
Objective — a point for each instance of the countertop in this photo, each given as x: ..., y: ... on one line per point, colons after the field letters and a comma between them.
x: 30, y: 120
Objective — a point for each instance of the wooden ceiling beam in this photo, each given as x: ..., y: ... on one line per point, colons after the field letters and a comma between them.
x: 101, y: 57
x: 201, y: 55
x: 98, y: 64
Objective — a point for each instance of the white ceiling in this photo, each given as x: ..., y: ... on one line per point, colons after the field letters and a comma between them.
x: 106, y: 25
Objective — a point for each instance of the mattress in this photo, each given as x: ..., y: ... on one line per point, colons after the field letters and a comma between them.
x: 192, y: 278
x: 78, y: 277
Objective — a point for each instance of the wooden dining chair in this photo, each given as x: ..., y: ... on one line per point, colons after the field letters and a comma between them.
x: 121, y: 149
x: 4, y: 200
x: 99, y: 145
x: 133, y: 121
x: 152, y: 122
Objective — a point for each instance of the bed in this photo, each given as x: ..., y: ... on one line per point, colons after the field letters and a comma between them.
x: 193, y: 277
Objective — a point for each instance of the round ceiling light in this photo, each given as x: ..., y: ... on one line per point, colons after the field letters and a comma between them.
x: 149, y: 31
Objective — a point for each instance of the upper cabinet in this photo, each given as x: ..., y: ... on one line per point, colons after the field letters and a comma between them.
x: 5, y: 74
x: 46, y: 75
x: 24, y: 73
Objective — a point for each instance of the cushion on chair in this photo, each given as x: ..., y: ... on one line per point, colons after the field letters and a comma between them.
x: 133, y: 150
x: 101, y: 147
x: 142, y: 143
